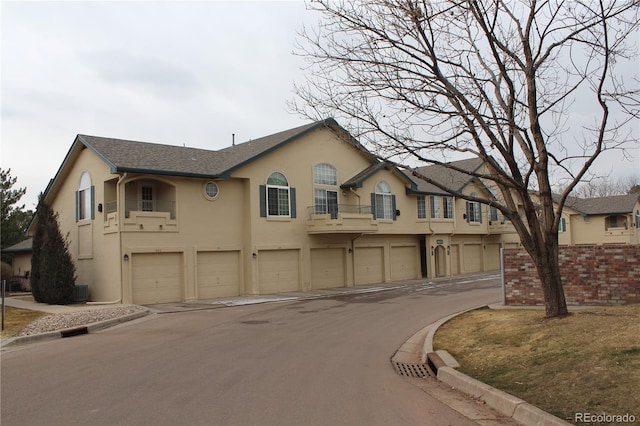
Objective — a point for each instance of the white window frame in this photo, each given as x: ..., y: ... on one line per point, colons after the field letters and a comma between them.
x: 447, y: 207
x: 434, y: 202
x: 84, y: 197
x: 422, y: 207
x: 384, y: 201
x: 278, y: 197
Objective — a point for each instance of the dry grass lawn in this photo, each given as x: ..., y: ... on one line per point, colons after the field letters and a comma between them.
x: 16, y: 319
x: 588, y: 361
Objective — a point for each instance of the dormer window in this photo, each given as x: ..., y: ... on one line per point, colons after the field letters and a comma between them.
x: 384, y: 202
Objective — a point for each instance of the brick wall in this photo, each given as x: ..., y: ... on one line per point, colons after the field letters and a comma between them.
x: 591, y: 275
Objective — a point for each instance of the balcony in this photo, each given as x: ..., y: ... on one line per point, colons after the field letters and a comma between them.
x: 341, y: 219
x: 142, y: 215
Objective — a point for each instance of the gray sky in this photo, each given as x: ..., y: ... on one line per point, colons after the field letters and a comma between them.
x: 167, y: 72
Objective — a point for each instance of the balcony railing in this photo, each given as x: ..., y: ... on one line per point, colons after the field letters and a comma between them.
x: 337, y: 209
x: 139, y: 205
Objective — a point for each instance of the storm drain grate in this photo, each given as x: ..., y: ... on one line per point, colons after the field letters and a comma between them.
x: 412, y: 370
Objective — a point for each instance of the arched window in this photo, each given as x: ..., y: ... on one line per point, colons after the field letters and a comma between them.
x: 325, y: 196
x: 84, y: 198
x: 384, y: 202
x: 278, y: 195
x: 324, y: 174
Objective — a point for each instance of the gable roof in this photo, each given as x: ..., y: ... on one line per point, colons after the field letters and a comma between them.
x: 615, y: 204
x: 142, y: 157
x: 25, y: 246
x: 446, y: 176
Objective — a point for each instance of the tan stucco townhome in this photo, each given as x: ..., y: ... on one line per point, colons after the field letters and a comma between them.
x: 301, y: 209
x: 601, y: 220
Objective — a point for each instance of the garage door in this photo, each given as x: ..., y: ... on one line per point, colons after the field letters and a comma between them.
x: 404, y: 263
x: 327, y: 268
x: 369, y: 267
x: 493, y: 257
x: 278, y: 271
x: 472, y: 258
x: 218, y: 274
x: 455, y: 259
x: 157, y: 278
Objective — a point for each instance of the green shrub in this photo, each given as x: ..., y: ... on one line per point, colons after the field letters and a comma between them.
x: 52, y: 269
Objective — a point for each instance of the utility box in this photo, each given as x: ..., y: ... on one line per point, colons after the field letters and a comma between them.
x: 81, y: 293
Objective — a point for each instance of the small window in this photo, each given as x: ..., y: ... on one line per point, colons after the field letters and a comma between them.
x: 384, y: 201
x: 84, y: 198
x: 562, y: 226
x: 325, y: 174
x: 447, y: 207
x: 474, y: 211
x: 211, y: 190
x: 493, y: 214
x: 617, y: 221
x: 435, y: 207
x: 422, y: 207
x: 278, y: 195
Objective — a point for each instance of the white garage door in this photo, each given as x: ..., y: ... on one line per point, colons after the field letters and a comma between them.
x: 327, y: 268
x: 472, y: 258
x: 278, y: 271
x: 369, y: 267
x: 157, y: 278
x: 218, y: 274
x: 404, y: 263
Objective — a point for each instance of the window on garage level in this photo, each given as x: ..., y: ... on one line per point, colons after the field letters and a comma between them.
x: 277, y: 198
x: 85, y: 198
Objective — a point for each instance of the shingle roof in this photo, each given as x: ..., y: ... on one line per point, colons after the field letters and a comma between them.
x: 446, y: 176
x: 357, y: 180
x: 142, y: 157
x: 23, y: 246
x: 616, y: 204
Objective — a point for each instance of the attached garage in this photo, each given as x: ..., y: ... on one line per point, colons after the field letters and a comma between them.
x: 455, y: 259
x: 156, y: 278
x: 327, y: 268
x: 404, y: 263
x: 369, y: 265
x: 218, y: 274
x: 278, y: 271
x: 493, y: 257
x: 472, y: 258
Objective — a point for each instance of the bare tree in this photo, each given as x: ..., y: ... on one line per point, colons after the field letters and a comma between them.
x: 607, y: 186
x: 421, y: 81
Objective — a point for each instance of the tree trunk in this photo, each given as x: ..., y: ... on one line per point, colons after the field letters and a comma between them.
x: 549, y: 272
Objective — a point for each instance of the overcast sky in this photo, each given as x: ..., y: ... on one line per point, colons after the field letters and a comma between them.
x: 167, y: 72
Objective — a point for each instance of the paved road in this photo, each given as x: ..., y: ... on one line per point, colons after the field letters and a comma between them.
x: 323, y: 361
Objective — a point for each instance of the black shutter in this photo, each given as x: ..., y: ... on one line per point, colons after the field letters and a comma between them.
x: 263, y: 201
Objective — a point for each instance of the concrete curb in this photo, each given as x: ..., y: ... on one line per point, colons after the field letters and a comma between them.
x: 507, y: 404
x: 58, y: 334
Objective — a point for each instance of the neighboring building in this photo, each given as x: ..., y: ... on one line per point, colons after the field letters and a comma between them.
x: 601, y: 220
x: 301, y: 209
x: 21, y: 258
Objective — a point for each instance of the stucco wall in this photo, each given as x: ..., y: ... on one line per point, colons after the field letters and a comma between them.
x: 592, y: 275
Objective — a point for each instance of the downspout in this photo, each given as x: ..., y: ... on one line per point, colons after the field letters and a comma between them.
x: 121, y: 209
